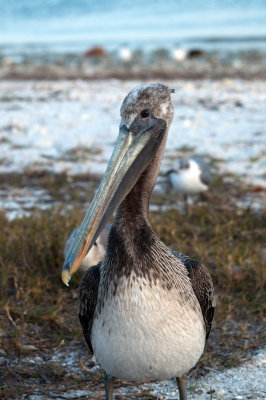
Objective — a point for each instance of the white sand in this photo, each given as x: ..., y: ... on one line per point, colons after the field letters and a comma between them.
x: 40, y: 121
x: 242, y: 383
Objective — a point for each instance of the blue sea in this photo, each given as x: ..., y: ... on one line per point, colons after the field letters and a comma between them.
x: 72, y: 26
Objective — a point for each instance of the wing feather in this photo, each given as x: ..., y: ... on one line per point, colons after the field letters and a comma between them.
x: 88, y: 294
x: 203, y: 288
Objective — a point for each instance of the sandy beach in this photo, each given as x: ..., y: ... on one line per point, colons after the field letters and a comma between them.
x: 71, y: 126
x: 42, y: 124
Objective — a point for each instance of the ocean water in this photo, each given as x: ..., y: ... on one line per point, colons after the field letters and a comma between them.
x: 76, y: 25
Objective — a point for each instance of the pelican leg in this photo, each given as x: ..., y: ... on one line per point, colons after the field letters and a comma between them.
x: 186, y: 206
x: 182, y: 387
x: 108, y: 383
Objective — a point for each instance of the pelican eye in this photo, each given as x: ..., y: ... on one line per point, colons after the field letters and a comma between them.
x: 145, y: 113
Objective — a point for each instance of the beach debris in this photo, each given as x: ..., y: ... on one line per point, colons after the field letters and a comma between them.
x: 194, y: 53
x: 95, y: 51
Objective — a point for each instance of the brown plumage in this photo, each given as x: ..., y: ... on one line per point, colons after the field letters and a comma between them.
x: 198, y: 274
x: 146, y: 311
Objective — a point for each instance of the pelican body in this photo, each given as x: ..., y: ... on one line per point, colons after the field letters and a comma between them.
x: 146, y: 311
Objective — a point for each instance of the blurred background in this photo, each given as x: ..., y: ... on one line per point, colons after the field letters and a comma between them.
x: 65, y: 68
x: 92, y: 39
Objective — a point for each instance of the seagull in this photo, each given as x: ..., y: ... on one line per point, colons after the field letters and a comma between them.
x: 124, y: 53
x: 190, y: 176
x: 96, y: 253
x: 178, y: 53
x: 145, y: 310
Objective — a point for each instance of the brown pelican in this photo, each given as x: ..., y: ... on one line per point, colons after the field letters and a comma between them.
x: 146, y: 311
x: 96, y: 253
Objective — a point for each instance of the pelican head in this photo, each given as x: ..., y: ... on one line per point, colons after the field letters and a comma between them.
x: 146, y: 114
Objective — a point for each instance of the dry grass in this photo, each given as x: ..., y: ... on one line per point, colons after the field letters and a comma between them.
x: 38, y: 312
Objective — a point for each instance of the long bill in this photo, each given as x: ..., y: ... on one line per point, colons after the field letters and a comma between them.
x: 131, y: 155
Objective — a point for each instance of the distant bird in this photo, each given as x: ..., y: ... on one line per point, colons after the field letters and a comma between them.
x: 96, y: 253
x: 190, y: 176
x: 124, y: 53
x: 194, y: 53
x: 178, y: 54
x: 146, y: 310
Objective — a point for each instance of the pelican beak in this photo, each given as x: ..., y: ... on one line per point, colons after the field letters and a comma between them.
x: 134, y: 150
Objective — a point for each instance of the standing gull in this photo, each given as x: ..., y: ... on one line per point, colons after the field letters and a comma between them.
x: 190, y: 176
x: 146, y: 311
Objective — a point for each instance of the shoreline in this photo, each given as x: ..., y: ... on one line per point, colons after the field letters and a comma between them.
x: 57, y: 74
x: 126, y: 64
